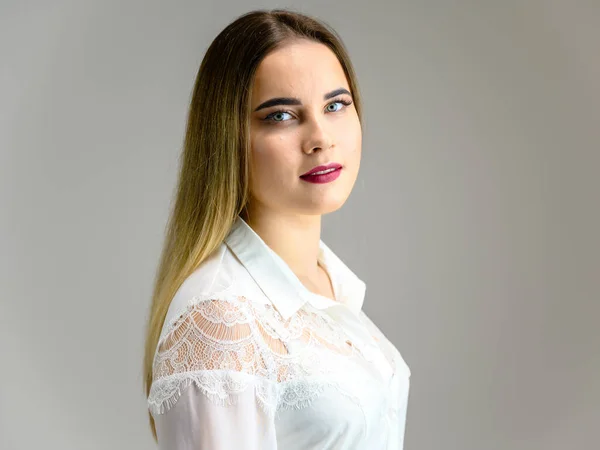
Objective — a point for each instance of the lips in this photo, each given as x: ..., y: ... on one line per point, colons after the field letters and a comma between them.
x: 327, y: 167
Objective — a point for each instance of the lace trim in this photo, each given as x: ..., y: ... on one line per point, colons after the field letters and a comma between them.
x: 224, y: 387
x: 221, y: 386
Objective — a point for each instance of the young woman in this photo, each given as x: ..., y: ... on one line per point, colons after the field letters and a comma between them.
x: 256, y: 336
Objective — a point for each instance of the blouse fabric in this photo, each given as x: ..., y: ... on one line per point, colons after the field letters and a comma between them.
x: 249, y: 358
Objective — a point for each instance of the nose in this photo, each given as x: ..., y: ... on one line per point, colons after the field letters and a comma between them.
x: 317, y: 137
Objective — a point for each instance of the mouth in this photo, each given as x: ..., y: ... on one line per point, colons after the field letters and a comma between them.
x: 322, y: 176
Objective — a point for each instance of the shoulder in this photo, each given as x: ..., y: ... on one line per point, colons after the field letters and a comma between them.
x: 220, y: 279
x: 211, y: 337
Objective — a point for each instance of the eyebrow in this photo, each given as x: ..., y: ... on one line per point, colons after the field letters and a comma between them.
x: 296, y: 101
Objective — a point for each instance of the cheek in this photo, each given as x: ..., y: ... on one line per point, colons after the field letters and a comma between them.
x: 351, y: 142
x: 272, y: 158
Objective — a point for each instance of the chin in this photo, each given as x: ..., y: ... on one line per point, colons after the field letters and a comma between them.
x: 323, y: 206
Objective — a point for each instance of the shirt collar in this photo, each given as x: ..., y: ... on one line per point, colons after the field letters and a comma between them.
x: 281, y: 285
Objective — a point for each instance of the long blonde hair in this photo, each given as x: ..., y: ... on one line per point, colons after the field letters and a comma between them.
x: 213, y: 183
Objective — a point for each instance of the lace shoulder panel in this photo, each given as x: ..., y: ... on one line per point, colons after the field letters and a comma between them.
x: 218, y: 344
x: 226, y: 344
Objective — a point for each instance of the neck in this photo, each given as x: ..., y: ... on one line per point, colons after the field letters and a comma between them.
x: 295, y: 238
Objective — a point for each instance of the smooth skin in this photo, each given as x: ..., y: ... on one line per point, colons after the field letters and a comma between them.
x: 284, y: 210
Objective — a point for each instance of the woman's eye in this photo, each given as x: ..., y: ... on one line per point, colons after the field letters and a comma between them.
x: 273, y: 116
x: 276, y: 115
x: 333, y: 104
x: 342, y: 102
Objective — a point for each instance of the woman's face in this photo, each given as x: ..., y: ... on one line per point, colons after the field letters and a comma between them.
x: 288, y: 140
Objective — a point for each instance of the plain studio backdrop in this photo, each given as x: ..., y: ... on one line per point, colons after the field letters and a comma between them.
x: 474, y: 220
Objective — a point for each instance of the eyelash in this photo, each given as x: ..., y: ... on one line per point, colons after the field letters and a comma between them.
x: 279, y: 111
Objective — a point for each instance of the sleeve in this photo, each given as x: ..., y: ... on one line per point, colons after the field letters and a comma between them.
x: 213, y: 387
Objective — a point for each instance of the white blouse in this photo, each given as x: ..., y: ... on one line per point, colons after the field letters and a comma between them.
x: 249, y: 358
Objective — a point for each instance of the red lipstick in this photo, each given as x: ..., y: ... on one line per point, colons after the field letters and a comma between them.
x: 323, y: 174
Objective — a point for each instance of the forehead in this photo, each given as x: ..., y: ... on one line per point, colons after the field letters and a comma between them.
x: 300, y: 68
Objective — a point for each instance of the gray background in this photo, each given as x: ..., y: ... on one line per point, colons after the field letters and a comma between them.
x: 474, y: 221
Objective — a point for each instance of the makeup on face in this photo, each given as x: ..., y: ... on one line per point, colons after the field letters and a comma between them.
x: 323, y: 174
